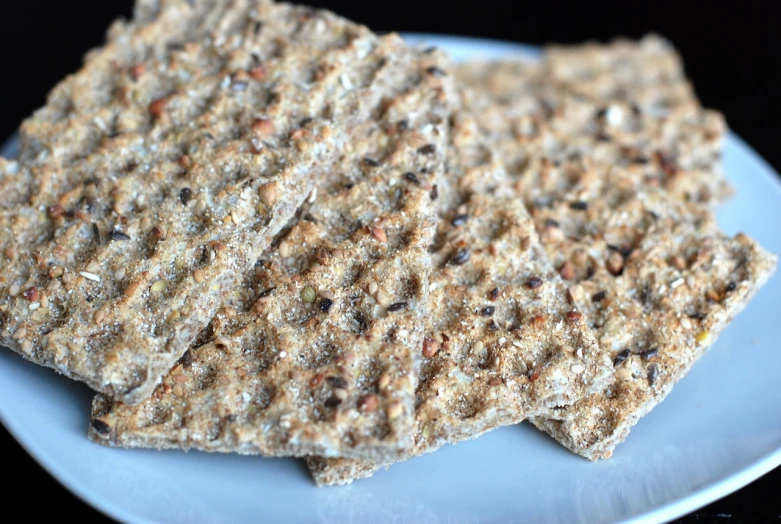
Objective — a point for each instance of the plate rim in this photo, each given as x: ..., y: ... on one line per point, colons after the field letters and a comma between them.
x: 665, y: 511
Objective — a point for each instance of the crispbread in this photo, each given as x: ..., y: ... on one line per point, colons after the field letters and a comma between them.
x: 157, y: 174
x: 657, y: 281
x: 502, y: 340
x: 626, y: 104
x: 325, y: 360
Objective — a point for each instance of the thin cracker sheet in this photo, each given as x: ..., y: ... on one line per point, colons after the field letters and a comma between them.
x: 157, y: 174
x: 657, y: 282
x: 321, y: 357
x: 624, y: 104
x: 502, y: 340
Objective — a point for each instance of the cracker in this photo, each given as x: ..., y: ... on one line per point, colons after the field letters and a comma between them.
x: 502, y: 340
x: 157, y: 174
x: 624, y: 104
x: 322, y: 358
x: 657, y: 282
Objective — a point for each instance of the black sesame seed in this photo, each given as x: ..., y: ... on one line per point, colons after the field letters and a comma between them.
x: 428, y: 149
x: 411, y: 177
x: 579, y: 205
x: 461, y: 256
x: 402, y: 125
x: 598, y: 297
x: 397, y: 306
x: 434, y: 193
x: 436, y: 71
x: 549, y: 222
x: 640, y: 160
x: 267, y: 292
x: 636, y: 110
x: 116, y: 234
x: 621, y: 357
x: 100, y: 426
x: 460, y: 220
x: 494, y: 293
x: 487, y: 311
x: 332, y: 402
x: 305, y: 121
x: 697, y: 316
x: 325, y: 304
x: 370, y: 162
x: 602, y: 112
x: 337, y: 382
x: 185, y: 195
x: 650, y: 353
x: 534, y: 282
x: 732, y: 286
x: 653, y: 372
x: 493, y: 326
x: 258, y: 27
x: 430, y: 49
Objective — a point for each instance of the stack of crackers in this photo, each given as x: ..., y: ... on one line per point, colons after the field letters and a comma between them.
x: 260, y: 228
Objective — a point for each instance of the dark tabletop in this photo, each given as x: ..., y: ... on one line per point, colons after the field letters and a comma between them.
x: 733, y: 55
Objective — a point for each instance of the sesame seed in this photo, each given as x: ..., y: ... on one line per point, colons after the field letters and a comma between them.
x: 332, y: 402
x: 316, y: 380
x: 459, y: 220
x: 411, y: 177
x: 653, y: 373
x: 621, y: 357
x: 371, y: 162
x: 487, y: 311
x: 579, y: 205
x: 428, y: 149
x: 436, y: 71
x: 534, y: 282
x: 337, y: 382
x: 598, y: 297
x: 90, y: 276
x: 461, y: 257
x: 732, y: 286
x: 395, y: 410
x: 650, y: 353
x: 397, y: 306
x: 578, y: 369
x: 574, y: 316
x: 185, y: 195
x: 116, y: 234
x: 493, y: 294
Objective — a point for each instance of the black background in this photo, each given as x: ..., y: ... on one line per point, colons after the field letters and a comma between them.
x: 732, y: 51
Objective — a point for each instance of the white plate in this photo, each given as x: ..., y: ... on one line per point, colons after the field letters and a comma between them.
x: 718, y: 430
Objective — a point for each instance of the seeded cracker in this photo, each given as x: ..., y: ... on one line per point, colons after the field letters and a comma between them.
x: 623, y: 104
x: 658, y: 283
x: 156, y: 175
x: 325, y: 360
x: 502, y: 341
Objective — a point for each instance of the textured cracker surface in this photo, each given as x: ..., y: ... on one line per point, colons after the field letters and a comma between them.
x: 658, y: 282
x: 508, y: 343
x: 157, y: 174
x: 624, y: 104
x: 334, y: 374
